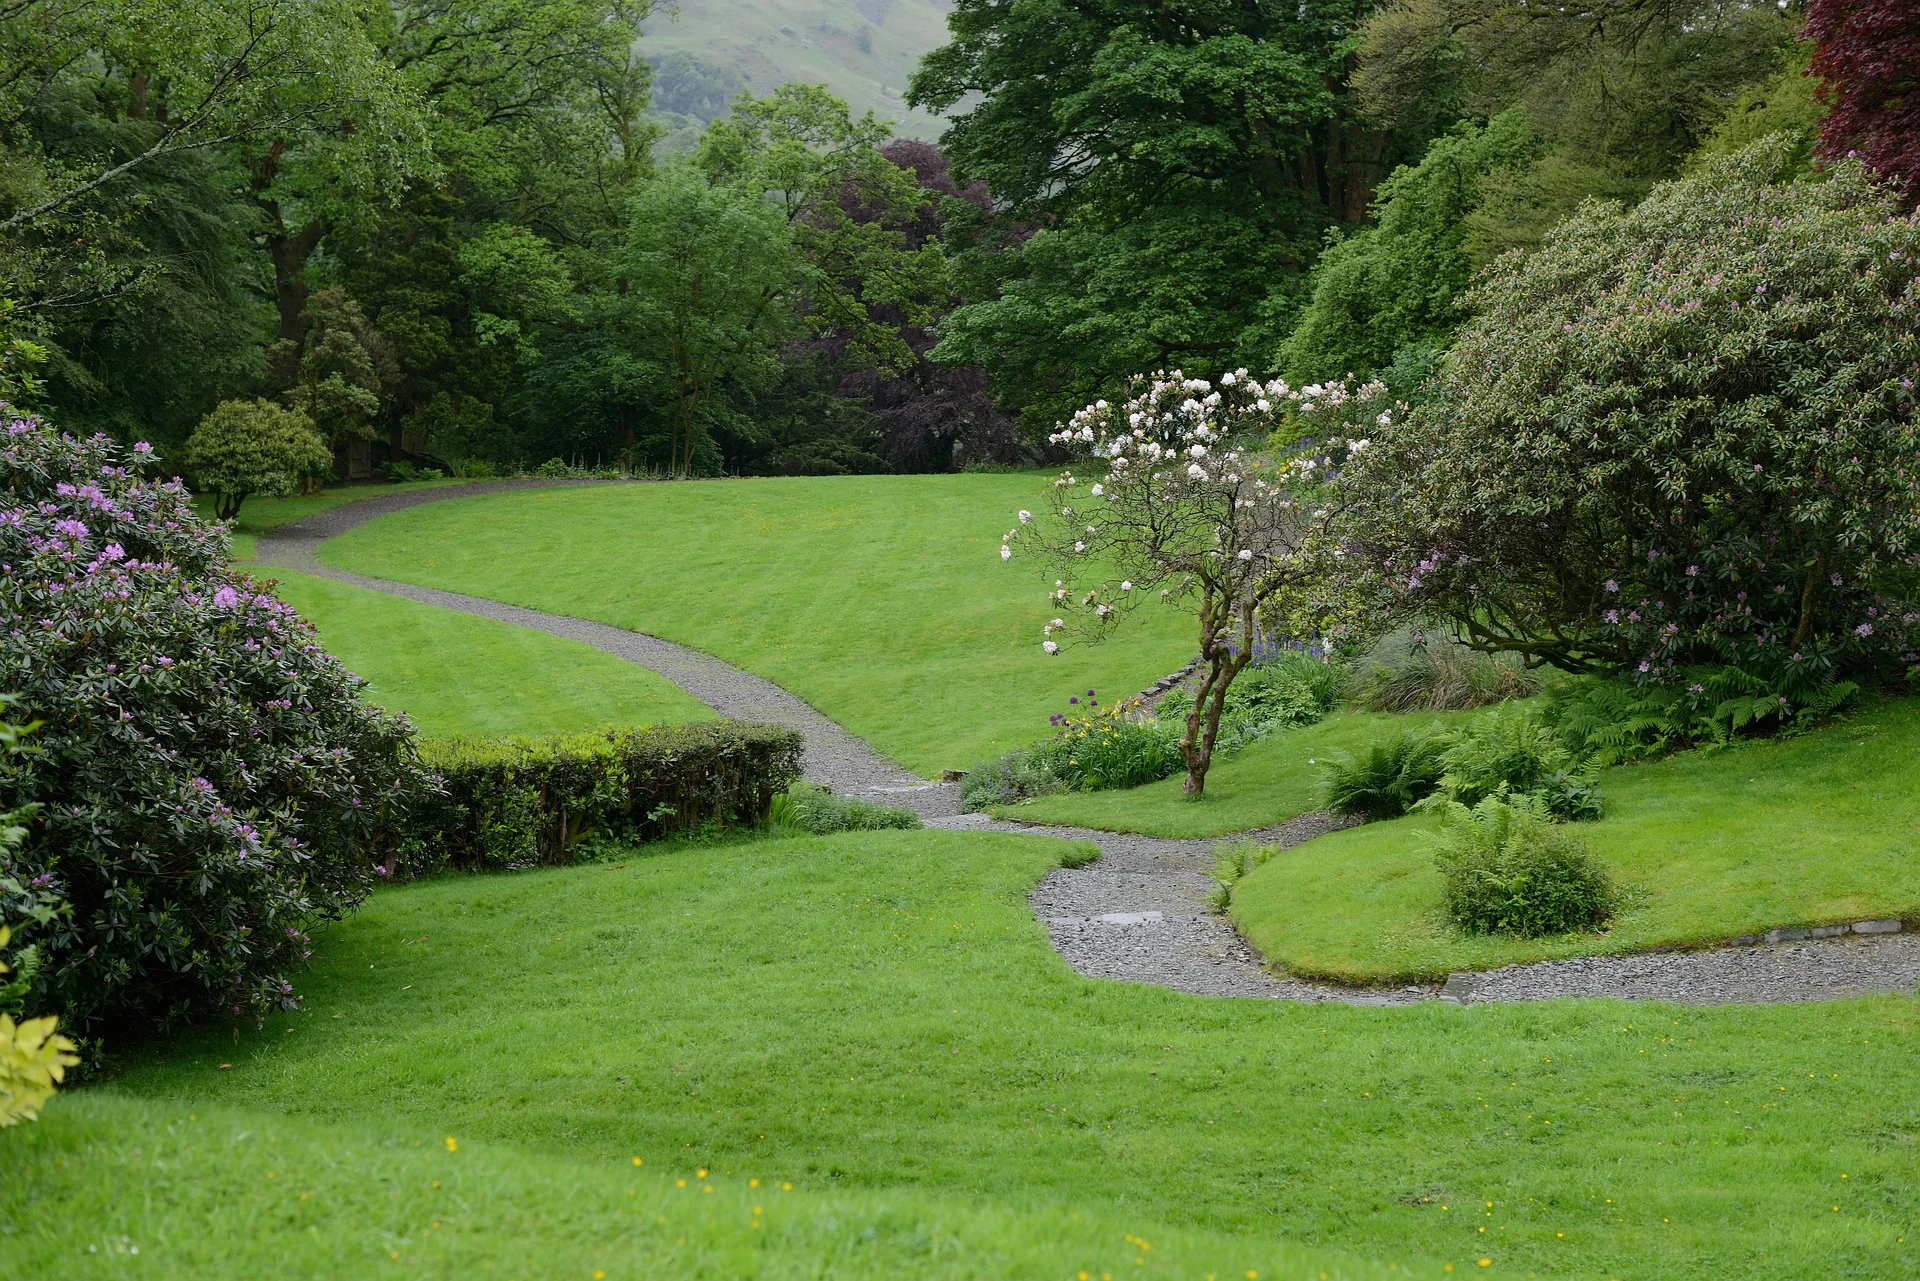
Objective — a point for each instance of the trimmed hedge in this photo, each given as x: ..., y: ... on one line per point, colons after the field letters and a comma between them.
x: 521, y: 802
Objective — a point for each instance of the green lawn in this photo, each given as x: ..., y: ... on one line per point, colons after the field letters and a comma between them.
x: 1265, y: 783
x: 257, y: 515
x: 459, y: 674
x: 877, y: 1019
x: 881, y: 600
x: 1813, y: 830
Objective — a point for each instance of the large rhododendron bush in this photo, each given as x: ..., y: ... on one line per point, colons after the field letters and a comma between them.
x: 205, y: 782
x: 1676, y: 438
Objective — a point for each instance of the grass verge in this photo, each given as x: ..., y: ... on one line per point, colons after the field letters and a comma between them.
x: 459, y: 674
x: 877, y: 1019
x: 1710, y: 845
x: 120, y: 1183
x: 258, y: 515
x: 881, y: 600
x: 1264, y: 783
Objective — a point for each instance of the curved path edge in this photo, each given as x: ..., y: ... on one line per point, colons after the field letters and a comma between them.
x: 1139, y: 914
x: 834, y: 757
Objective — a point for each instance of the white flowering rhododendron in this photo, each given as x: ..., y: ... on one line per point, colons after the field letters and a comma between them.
x: 1215, y: 497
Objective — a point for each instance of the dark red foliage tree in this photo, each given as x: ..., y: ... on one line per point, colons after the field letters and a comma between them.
x: 1867, y: 55
x: 927, y: 408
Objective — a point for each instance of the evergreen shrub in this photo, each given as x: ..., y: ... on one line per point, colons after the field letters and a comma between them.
x: 520, y: 802
x: 1679, y: 436
x: 206, y: 782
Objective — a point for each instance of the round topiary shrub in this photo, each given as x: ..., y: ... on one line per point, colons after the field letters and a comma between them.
x: 205, y: 782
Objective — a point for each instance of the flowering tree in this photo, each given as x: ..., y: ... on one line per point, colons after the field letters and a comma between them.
x: 1197, y: 507
x: 1674, y: 436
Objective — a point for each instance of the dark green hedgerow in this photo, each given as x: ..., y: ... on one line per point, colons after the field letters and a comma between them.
x: 516, y: 802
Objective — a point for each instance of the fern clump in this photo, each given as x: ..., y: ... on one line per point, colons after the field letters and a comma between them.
x: 1507, y: 868
x: 1516, y: 752
x: 1607, y: 722
x: 1386, y: 779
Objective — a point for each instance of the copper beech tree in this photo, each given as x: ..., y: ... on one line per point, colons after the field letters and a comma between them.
x: 1218, y: 498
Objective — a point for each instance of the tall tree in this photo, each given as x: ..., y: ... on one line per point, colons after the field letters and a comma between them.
x: 1180, y: 163
x: 712, y: 283
x: 1867, y: 55
x: 1620, y: 92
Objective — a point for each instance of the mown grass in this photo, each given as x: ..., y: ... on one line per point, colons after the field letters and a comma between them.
x: 258, y: 515
x: 881, y: 600
x: 121, y: 1185
x: 1710, y: 845
x: 1265, y: 783
x: 459, y: 674
x: 877, y: 1019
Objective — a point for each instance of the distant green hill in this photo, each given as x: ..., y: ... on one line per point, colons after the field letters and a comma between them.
x: 863, y: 50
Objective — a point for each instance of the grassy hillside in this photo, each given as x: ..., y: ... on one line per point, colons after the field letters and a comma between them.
x: 881, y: 600
x: 457, y: 674
x: 878, y: 1020
x: 863, y: 50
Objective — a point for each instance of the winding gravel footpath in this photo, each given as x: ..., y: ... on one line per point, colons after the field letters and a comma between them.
x: 1140, y: 913
x: 834, y: 757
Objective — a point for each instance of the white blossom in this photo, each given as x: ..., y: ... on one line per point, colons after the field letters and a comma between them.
x: 1097, y: 491
x: 1126, y: 586
x: 1245, y: 554
x: 1025, y: 516
x: 1050, y: 647
x: 1006, y: 552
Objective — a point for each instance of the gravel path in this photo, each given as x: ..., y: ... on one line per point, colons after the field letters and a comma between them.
x: 1140, y: 913
x: 834, y: 757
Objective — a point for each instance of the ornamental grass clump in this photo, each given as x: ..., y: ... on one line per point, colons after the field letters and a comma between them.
x: 1439, y: 675
x: 208, y: 781
x: 1507, y: 868
x: 818, y: 812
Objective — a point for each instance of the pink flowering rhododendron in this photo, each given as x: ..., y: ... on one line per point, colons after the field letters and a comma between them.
x: 208, y: 780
